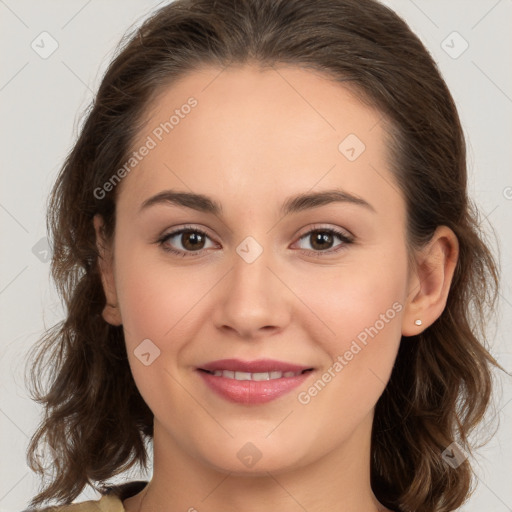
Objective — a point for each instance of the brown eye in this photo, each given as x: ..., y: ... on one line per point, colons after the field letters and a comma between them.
x: 192, y: 240
x: 185, y: 242
x: 321, y: 241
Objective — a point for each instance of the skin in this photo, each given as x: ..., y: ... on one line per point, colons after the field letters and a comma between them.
x: 255, y: 138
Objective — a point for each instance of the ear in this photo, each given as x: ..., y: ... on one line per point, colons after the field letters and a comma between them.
x: 111, y: 312
x: 430, y: 281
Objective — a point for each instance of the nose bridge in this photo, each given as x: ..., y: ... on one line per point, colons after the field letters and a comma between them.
x: 251, y: 267
x: 254, y: 298
x: 251, y: 277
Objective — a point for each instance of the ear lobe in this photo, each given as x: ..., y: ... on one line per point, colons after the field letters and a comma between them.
x: 111, y: 313
x: 430, y: 284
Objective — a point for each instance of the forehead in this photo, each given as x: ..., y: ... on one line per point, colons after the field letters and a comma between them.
x: 271, y: 131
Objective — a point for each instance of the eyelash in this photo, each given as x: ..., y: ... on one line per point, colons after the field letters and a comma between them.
x: 187, y: 229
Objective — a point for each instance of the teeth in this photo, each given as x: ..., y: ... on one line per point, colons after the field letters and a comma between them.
x: 229, y: 374
x: 242, y: 376
x: 261, y: 376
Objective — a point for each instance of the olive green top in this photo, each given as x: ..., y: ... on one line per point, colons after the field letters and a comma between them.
x: 111, y: 500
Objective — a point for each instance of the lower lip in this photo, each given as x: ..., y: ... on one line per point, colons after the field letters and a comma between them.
x: 252, y: 391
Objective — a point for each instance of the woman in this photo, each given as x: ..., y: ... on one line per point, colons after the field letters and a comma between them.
x: 272, y: 270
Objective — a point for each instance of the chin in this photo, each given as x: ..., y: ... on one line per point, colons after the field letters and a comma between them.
x: 250, y: 458
x: 259, y: 469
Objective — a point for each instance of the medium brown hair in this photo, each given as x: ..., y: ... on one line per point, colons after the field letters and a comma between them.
x: 95, y: 419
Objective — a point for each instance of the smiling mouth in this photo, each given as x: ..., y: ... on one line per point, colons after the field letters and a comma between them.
x: 254, y: 382
x: 256, y: 376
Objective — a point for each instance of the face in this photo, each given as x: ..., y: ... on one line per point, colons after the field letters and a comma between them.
x: 319, y: 284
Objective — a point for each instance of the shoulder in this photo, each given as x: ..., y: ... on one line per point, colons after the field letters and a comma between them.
x: 110, y: 501
x: 107, y: 503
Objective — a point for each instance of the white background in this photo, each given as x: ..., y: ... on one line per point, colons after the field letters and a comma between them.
x: 41, y: 101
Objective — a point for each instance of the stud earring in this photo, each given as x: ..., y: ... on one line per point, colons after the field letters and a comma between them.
x: 418, y: 322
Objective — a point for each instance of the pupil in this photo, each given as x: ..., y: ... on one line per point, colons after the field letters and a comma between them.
x: 195, y: 238
x: 322, y: 237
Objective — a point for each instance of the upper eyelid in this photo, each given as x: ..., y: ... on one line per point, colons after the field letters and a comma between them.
x: 309, y: 230
x: 185, y: 229
x: 316, y: 227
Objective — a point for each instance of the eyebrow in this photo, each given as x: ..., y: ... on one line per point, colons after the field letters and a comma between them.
x: 295, y: 204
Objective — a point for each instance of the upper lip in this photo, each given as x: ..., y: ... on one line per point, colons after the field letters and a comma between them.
x: 257, y: 366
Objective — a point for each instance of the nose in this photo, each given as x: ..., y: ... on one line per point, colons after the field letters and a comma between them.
x: 253, y: 301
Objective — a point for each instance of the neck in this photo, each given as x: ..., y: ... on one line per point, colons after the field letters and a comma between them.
x: 339, y: 480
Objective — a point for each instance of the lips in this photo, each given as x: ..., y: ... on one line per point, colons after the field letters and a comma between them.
x: 258, y: 366
x: 228, y: 374
x: 252, y: 382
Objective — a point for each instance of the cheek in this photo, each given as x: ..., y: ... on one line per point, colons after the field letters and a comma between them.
x: 349, y: 299
x: 361, y: 309
x: 157, y: 304
x: 155, y: 297
x: 353, y: 323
